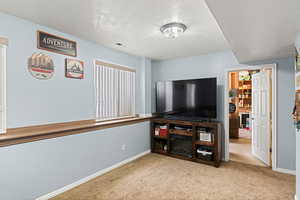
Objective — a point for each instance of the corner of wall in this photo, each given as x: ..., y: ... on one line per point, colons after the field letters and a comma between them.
x: 145, y: 87
x: 148, y: 85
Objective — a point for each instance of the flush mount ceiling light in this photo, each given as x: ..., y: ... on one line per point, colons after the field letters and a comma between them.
x: 173, y: 30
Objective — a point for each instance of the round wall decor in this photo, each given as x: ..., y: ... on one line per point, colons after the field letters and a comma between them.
x: 41, y: 66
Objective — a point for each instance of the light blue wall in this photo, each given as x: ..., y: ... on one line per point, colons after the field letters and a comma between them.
x: 214, y: 65
x: 145, y: 85
x: 297, y: 44
x: 31, y: 101
x: 34, y: 169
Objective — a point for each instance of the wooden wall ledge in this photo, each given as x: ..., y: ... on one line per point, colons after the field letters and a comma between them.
x: 41, y: 132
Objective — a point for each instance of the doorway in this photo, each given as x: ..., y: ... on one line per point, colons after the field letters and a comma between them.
x: 250, y: 133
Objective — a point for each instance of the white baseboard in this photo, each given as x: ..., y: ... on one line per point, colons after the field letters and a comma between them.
x: 224, y: 159
x: 281, y: 170
x: 86, y: 179
x: 286, y: 171
x: 296, y: 197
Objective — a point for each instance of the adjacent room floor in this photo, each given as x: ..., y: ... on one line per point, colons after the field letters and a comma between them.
x: 240, y: 151
x: 158, y: 177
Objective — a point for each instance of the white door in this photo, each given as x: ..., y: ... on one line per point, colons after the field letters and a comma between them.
x: 261, y: 116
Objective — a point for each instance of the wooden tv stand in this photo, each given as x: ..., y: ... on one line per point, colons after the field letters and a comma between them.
x: 163, y: 144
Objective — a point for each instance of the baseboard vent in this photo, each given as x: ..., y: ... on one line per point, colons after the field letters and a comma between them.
x: 86, y: 179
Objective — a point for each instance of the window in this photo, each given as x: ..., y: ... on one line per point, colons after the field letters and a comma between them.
x: 115, y: 91
x: 3, y: 45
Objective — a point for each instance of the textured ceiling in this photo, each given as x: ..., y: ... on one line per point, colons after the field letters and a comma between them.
x: 255, y: 30
x: 134, y: 23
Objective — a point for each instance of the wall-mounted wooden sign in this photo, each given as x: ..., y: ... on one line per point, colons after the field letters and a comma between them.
x: 74, y: 68
x: 56, y: 44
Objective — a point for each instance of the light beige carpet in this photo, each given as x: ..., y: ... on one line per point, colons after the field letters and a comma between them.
x: 157, y: 177
x: 240, y: 151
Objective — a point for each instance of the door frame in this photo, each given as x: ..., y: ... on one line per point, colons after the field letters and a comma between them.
x: 3, y: 109
x: 274, y: 108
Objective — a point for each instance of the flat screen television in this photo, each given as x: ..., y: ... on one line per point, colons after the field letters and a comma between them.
x: 188, y: 98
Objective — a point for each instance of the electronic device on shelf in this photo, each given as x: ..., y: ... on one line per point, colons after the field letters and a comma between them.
x: 182, y: 128
x: 204, y: 135
x: 205, y: 153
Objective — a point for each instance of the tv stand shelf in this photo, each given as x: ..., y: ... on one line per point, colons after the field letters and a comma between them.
x: 180, y: 132
x: 184, y: 136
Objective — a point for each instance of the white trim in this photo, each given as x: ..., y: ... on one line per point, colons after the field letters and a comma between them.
x: 285, y: 171
x: 3, y: 89
x: 109, y: 62
x: 274, y: 117
x: 274, y: 109
x: 88, y: 178
x: 226, y: 115
x: 296, y: 197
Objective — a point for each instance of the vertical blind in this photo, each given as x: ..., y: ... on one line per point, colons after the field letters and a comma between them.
x: 115, y: 91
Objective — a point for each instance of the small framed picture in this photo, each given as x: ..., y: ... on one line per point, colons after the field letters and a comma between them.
x: 74, y: 68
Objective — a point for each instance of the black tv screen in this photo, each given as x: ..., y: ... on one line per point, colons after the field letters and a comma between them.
x: 190, y: 98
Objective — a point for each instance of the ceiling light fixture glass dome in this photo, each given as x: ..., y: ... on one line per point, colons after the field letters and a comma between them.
x: 173, y: 30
